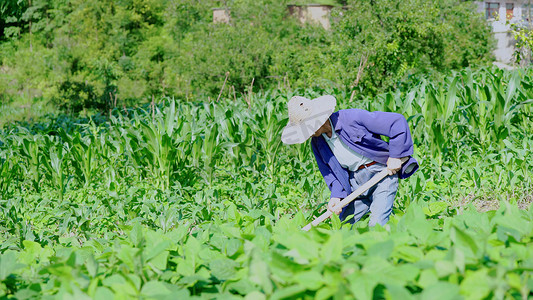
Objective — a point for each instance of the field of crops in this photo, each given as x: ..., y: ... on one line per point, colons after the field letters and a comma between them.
x: 202, y: 200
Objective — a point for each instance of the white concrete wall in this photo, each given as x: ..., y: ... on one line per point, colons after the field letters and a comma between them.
x: 312, y: 13
x: 220, y: 15
x: 505, y: 49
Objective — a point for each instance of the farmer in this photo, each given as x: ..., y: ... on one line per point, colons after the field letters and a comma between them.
x: 349, y: 150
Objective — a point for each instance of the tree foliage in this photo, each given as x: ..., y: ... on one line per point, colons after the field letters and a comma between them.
x: 95, y: 54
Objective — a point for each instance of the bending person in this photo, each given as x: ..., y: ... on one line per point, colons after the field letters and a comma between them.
x: 349, y: 151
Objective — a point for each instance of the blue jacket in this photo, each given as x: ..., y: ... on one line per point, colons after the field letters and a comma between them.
x: 361, y: 130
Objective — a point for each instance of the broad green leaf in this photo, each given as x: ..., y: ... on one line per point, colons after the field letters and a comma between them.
x: 136, y: 235
x: 155, y: 250
x: 514, y: 280
x: 325, y: 293
x: 407, y: 253
x: 185, y: 267
x: 288, y: 292
x: 128, y: 255
x: 178, y: 233
x: 120, y: 285
x: 397, y: 292
x: 441, y: 291
x: 445, y: 268
x: 192, y: 247
x: 103, y: 293
x: 311, y: 280
x: 260, y: 274
x: 381, y: 249
x: 335, y: 222
x: 162, y: 290
x: 299, y: 242
x: 232, y: 246
x: 242, y: 286
x: 427, y: 278
x: 284, y: 267
x: 362, y: 285
x: 414, y: 221
x: 476, y: 284
x: 375, y: 265
x: 332, y: 249
x: 223, y: 269
x: 465, y: 242
x: 435, y: 208
x: 92, y: 266
x: 33, y: 253
x: 255, y: 295
x: 8, y: 264
x: 401, y: 275
x: 160, y: 261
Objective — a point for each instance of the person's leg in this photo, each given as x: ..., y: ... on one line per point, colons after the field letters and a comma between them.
x: 383, y: 200
x: 359, y: 207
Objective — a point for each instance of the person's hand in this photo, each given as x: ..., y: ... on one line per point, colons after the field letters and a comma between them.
x: 334, y: 205
x: 393, y: 165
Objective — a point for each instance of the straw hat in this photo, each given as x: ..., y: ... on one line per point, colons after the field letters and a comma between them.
x: 306, y: 117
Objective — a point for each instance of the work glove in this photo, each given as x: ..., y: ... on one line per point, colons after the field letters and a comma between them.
x: 334, y: 205
x: 393, y: 165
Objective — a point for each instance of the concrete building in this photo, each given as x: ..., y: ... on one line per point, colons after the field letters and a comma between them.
x: 221, y: 15
x: 499, y: 14
x: 317, y: 13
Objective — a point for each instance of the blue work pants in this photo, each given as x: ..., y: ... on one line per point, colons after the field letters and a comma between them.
x: 379, y: 199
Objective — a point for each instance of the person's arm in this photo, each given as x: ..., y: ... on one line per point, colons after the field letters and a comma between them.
x: 334, y: 185
x: 392, y: 125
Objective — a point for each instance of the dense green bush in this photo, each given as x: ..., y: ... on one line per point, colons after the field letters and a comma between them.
x: 98, y: 54
x: 400, y: 38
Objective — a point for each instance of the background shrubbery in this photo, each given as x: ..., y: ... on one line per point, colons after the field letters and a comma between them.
x: 95, y: 54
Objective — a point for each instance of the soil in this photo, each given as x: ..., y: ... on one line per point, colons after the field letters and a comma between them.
x: 484, y: 204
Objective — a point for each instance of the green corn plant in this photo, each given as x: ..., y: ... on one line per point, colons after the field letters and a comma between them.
x: 238, y: 135
x: 232, y: 133
x: 135, y: 148
x: 121, y: 148
x: 210, y: 150
x: 54, y: 163
x: 190, y: 141
x: 84, y: 159
x: 30, y: 150
x: 152, y: 145
x: 158, y: 151
x: 473, y: 108
x: 434, y: 126
x: 501, y: 104
x: 268, y: 125
x: 447, y: 100
x: 407, y: 106
x: 8, y: 173
x: 110, y: 152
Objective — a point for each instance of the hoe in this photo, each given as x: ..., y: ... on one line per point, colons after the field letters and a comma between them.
x: 377, y: 178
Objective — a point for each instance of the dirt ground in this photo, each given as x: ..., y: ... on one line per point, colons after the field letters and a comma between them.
x: 484, y: 204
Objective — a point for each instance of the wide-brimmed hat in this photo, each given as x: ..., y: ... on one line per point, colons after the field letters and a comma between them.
x: 306, y: 117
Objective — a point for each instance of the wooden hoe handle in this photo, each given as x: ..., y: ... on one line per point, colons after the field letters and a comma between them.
x: 377, y: 178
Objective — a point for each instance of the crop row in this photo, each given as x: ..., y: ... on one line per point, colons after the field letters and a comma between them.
x: 202, y: 199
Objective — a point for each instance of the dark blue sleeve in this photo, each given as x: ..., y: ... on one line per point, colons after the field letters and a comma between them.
x: 334, y: 185
x: 389, y: 124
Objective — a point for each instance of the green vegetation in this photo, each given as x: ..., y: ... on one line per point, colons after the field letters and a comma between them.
x: 179, y: 186
x: 524, y: 42
x: 189, y: 198
x: 87, y: 55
